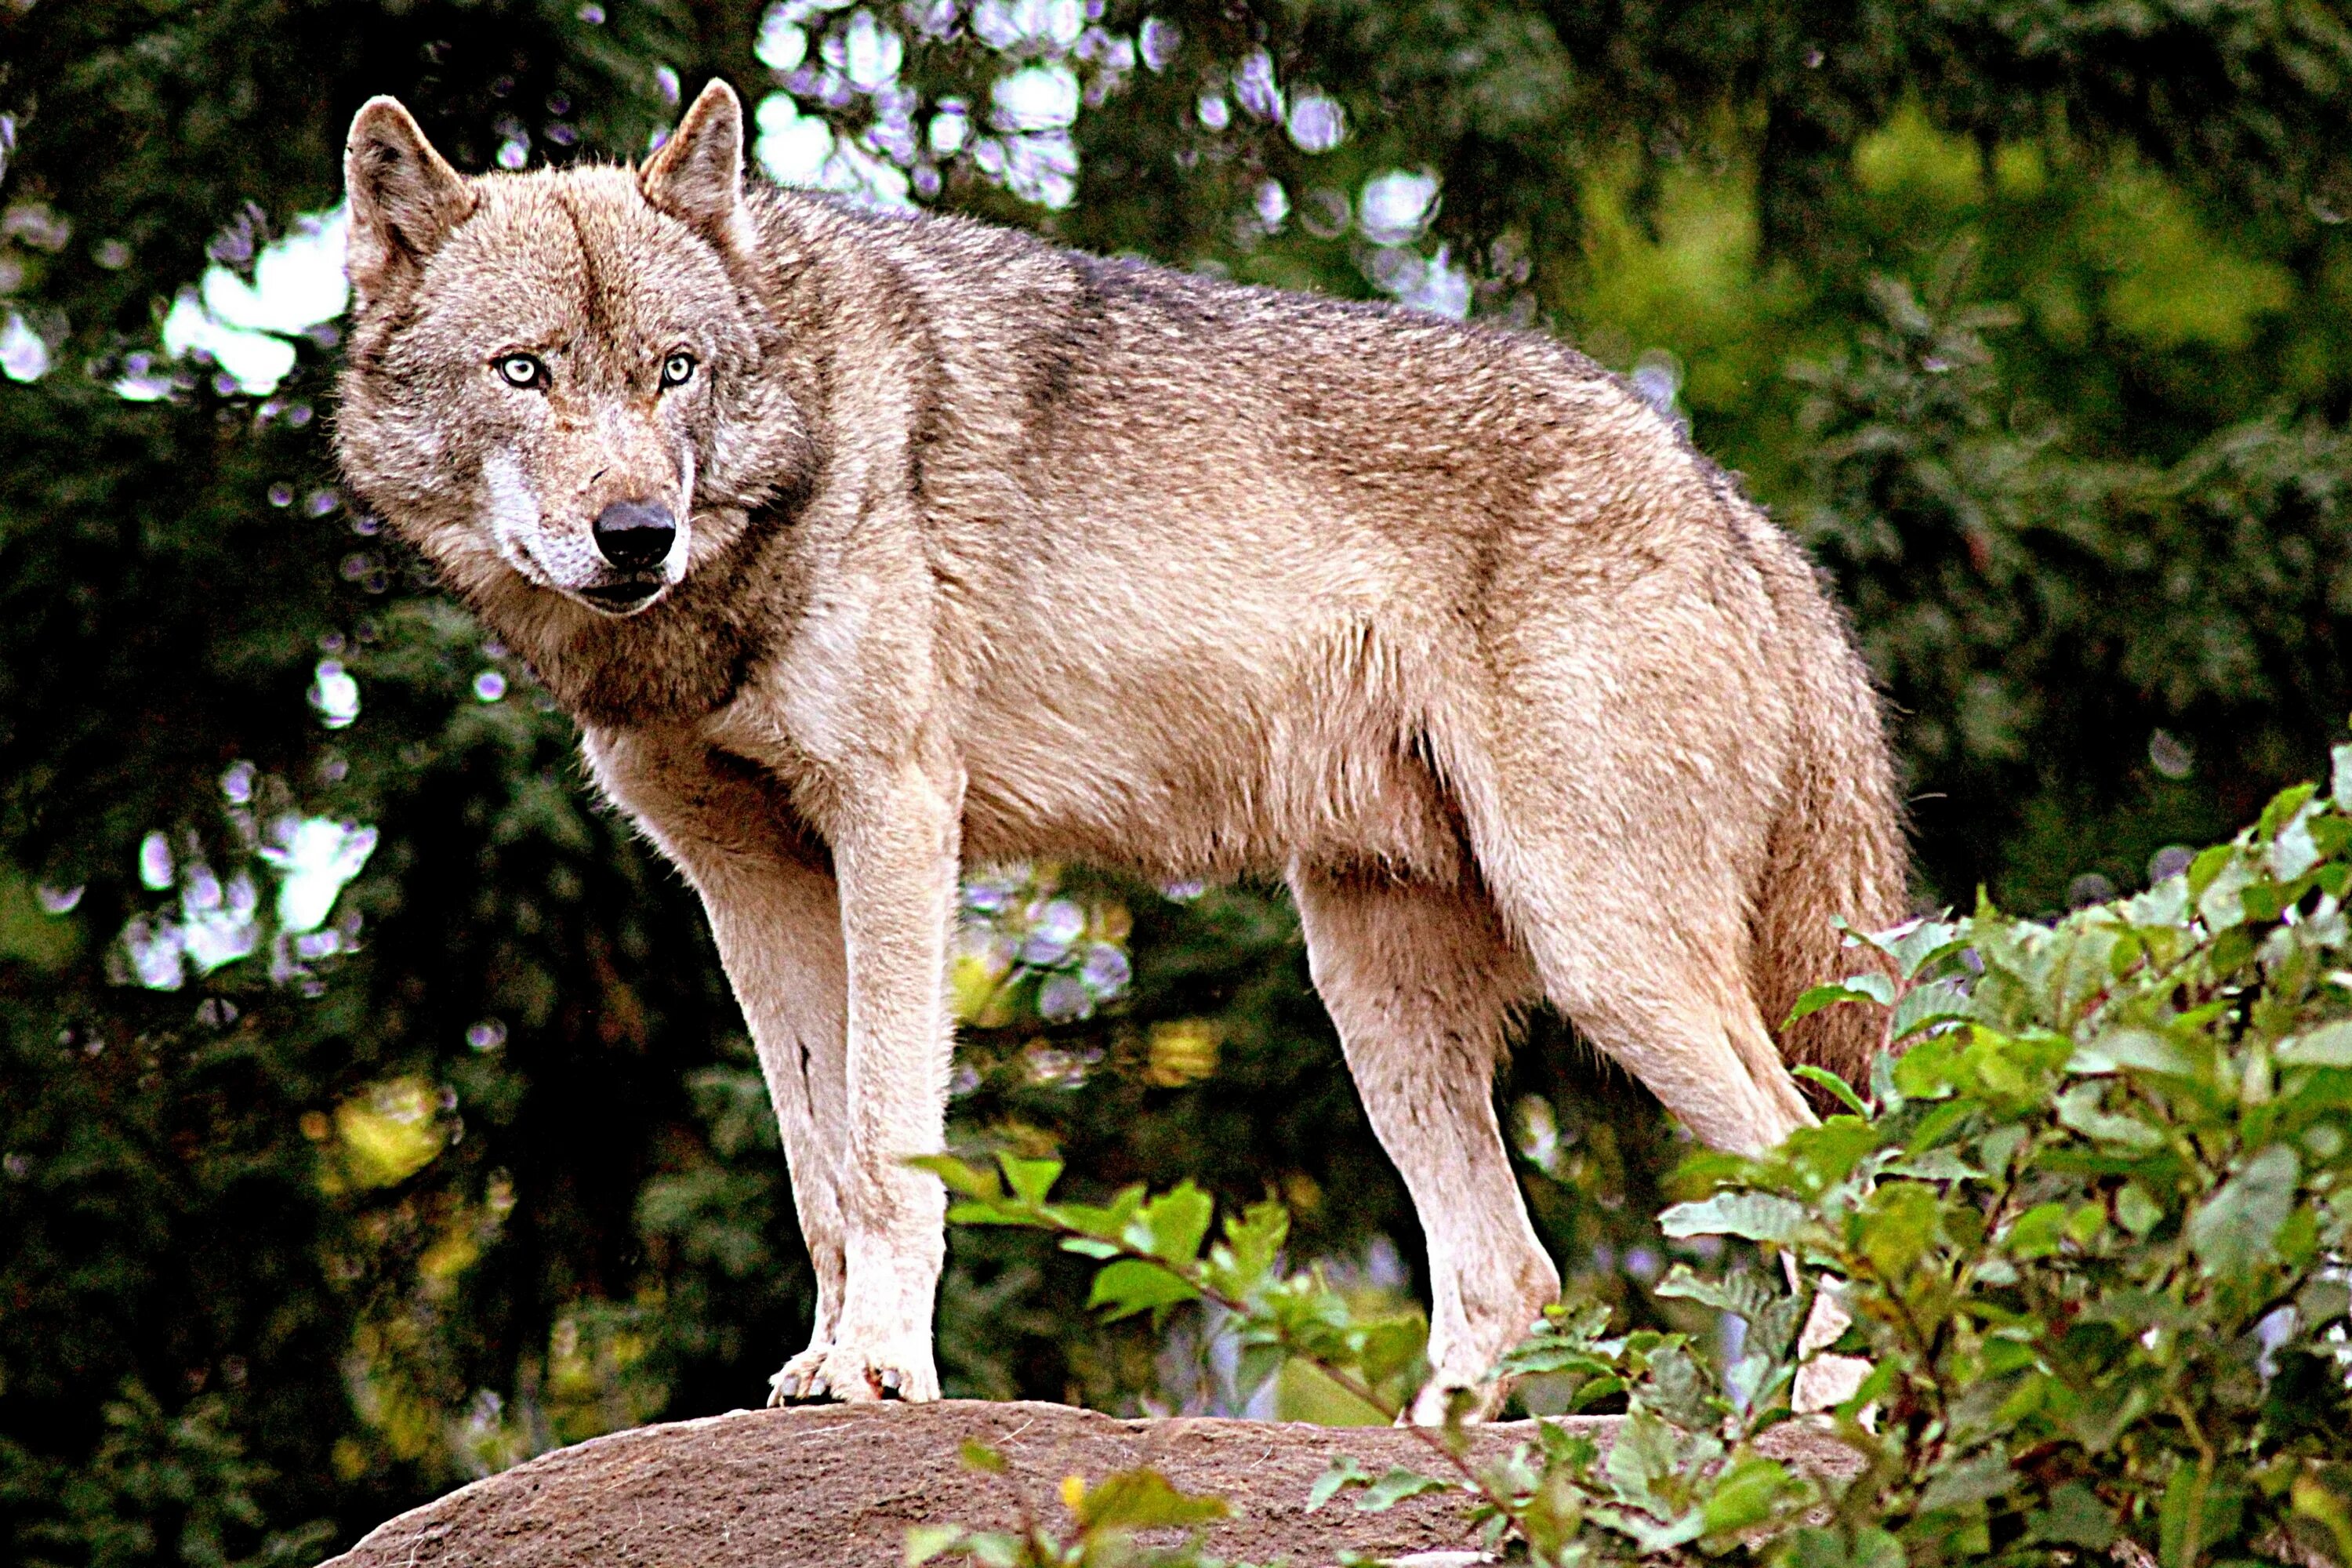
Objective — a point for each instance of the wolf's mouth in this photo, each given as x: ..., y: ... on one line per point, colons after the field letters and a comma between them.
x: 624, y: 597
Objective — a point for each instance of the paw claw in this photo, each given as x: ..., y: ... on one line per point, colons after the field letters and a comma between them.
x: 846, y: 1374
x: 797, y: 1381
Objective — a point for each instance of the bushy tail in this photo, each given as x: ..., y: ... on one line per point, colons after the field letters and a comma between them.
x: 1837, y: 850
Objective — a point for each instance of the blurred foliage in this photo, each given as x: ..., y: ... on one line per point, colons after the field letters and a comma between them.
x: 2088, y: 1223
x: 2029, y: 317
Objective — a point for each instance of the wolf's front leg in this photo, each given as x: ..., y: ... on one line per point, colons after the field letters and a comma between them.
x: 776, y: 918
x: 894, y: 854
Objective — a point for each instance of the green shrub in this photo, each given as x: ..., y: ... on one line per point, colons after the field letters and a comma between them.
x: 2089, y: 1217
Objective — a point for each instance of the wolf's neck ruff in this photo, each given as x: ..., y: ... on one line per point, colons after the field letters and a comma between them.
x: 951, y: 545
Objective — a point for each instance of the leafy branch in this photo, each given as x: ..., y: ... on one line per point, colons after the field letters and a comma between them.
x: 1682, y: 1473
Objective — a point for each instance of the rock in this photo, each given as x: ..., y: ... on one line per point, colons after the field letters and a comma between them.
x: 838, y: 1486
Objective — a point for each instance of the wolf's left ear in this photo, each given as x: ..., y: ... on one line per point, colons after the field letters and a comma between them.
x: 404, y: 196
x: 698, y: 176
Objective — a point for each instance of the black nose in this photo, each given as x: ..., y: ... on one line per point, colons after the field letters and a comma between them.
x: 634, y: 534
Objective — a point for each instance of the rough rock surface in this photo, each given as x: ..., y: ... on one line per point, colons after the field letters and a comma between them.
x: 837, y: 1487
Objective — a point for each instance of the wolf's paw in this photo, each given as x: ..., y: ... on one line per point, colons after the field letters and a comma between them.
x: 790, y: 1385
x: 855, y: 1373
x: 1478, y: 1401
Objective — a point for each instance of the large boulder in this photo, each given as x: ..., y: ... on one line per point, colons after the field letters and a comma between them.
x: 838, y: 1486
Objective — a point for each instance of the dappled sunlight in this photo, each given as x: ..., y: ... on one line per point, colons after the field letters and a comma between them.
x: 243, y: 327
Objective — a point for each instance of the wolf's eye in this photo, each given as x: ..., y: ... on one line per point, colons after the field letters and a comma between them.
x: 678, y: 370
x: 521, y: 370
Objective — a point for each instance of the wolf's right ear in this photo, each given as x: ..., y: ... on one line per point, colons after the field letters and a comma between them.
x: 404, y: 197
x: 698, y: 176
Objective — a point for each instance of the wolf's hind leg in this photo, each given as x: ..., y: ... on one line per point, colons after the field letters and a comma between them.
x: 1421, y: 982
x: 1684, y: 1026
x: 1634, y: 910
x: 1666, y: 997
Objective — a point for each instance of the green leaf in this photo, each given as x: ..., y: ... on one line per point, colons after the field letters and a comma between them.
x: 2138, y: 1048
x: 1825, y: 1155
x: 1977, y: 1478
x: 1599, y: 1389
x: 1812, y: 1547
x: 1937, y: 1002
x: 1822, y: 996
x: 1878, y: 988
x: 2295, y: 850
x: 1174, y: 1224
x: 970, y: 1181
x: 2180, y: 1515
x: 2223, y: 904
x: 1144, y: 1500
x: 1344, y: 1472
x: 1241, y: 1264
x: 1000, y: 1549
x: 1390, y: 1346
x: 925, y: 1541
x: 2079, y: 1108
x: 2037, y: 1231
x: 1029, y: 1179
x: 1103, y: 1224
x: 1927, y: 1070
x: 2207, y: 865
x: 2235, y: 1228
x: 1256, y: 1363
x: 1643, y: 1455
x: 1395, y: 1486
x: 2103, y: 1413
x: 1130, y: 1285
x: 1742, y: 1293
x: 1651, y: 1538
x: 2321, y: 1303
x: 2326, y: 1498
x: 2283, y: 808
x: 1935, y: 1166
x: 2075, y: 1517
x: 1897, y: 1225
x: 1564, y: 1448
x: 1830, y: 1081
x: 2329, y: 1045
x: 1745, y: 1495
x: 980, y: 1457
x: 1926, y: 945
x: 1678, y: 1389
x: 1754, y: 1216
x: 2135, y: 1211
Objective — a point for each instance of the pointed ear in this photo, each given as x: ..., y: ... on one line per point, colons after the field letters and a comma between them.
x: 698, y: 176
x: 404, y: 197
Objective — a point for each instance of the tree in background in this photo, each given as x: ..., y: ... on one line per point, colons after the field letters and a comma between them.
x: 374, y: 1113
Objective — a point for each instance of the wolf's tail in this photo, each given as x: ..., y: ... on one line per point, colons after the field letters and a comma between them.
x: 1836, y: 850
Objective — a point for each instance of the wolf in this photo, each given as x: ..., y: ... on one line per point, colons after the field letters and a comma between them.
x: 864, y: 546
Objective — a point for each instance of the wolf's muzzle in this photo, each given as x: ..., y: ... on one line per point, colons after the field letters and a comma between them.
x: 634, y: 535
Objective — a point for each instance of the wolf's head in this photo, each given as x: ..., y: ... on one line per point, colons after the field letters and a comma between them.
x: 562, y: 379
